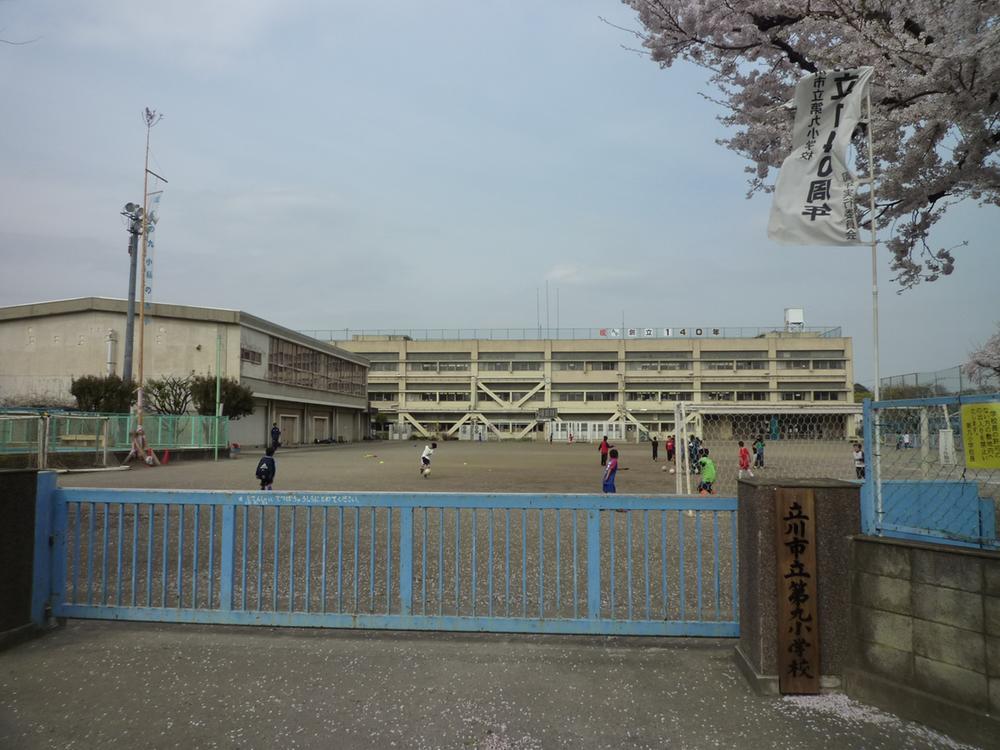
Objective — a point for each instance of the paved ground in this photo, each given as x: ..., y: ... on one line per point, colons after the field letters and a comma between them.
x: 130, y: 685
x: 109, y: 685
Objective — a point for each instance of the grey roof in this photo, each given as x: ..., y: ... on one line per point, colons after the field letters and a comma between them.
x: 182, y: 312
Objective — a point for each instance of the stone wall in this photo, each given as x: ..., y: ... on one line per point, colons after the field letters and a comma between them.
x: 925, y: 634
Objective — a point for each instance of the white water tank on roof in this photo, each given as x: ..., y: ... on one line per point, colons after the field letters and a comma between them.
x: 795, y: 319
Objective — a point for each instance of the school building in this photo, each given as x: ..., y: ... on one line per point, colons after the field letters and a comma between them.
x: 626, y: 383
x: 313, y: 390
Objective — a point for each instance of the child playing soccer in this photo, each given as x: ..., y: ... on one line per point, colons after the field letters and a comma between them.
x: 744, y: 462
x: 425, y: 460
x: 707, y: 473
x: 266, y: 469
x: 758, y: 451
x: 610, y: 470
x: 604, y: 447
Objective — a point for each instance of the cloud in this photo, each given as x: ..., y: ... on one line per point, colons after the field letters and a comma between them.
x: 598, y: 274
x: 190, y: 32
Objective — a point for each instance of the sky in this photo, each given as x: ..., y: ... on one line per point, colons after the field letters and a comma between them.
x: 421, y: 165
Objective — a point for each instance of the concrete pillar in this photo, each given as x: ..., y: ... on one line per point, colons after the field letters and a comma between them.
x: 838, y: 517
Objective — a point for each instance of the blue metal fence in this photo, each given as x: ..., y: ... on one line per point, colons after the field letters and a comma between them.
x: 626, y: 565
x: 917, y: 483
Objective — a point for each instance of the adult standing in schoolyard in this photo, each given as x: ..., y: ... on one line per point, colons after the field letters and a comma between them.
x: 604, y: 448
x: 655, y: 442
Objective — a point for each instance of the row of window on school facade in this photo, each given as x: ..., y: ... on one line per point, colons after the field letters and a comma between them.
x: 289, y: 363
x: 443, y: 362
x: 606, y: 395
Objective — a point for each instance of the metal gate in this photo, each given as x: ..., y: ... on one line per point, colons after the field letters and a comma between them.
x: 629, y: 565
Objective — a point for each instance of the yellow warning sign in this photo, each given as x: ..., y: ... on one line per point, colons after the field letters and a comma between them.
x: 981, y: 435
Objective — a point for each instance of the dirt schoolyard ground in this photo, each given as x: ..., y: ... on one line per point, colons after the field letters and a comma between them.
x: 469, y: 467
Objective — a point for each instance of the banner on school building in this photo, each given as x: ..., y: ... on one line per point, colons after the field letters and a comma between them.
x: 814, y: 198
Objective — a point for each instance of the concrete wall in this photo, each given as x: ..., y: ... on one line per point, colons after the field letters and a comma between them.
x: 925, y: 635
x: 315, y: 422
x: 41, y: 356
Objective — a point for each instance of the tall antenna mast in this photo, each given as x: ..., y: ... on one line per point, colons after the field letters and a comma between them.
x: 151, y: 117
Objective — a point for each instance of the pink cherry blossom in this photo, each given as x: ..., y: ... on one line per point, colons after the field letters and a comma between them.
x: 936, y: 96
x: 984, y: 363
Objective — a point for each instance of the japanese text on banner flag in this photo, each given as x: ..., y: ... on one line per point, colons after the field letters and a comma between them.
x: 814, y: 198
x: 152, y: 217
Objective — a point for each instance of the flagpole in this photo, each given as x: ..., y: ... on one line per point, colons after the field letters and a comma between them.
x: 151, y: 117
x: 877, y: 391
x: 871, y: 200
x: 142, y: 285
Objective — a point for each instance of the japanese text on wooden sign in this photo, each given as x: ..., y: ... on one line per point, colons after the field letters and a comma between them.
x: 798, y: 622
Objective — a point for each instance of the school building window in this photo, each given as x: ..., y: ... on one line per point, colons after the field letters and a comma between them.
x: 251, y: 355
x: 718, y: 395
x: 293, y: 364
x: 829, y: 396
x: 794, y: 395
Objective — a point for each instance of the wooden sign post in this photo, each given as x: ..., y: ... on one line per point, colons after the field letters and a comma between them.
x: 798, y: 621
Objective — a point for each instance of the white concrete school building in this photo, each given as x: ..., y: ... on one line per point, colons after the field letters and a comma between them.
x: 313, y: 390
x: 624, y: 382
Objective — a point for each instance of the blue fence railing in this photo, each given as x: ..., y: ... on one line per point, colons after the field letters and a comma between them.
x: 506, y: 563
x: 923, y: 478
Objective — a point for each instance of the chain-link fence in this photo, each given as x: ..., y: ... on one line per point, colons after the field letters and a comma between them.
x: 71, y: 440
x: 953, y: 381
x: 934, y: 469
x: 787, y: 442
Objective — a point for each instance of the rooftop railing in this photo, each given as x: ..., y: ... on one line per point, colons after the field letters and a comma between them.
x: 537, y: 334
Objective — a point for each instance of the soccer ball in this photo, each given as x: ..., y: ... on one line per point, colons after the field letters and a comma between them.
x: 149, y: 460
x: 671, y: 471
x: 427, y: 473
x: 663, y: 468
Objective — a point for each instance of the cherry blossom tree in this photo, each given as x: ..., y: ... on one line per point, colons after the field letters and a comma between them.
x: 935, y: 95
x: 984, y: 362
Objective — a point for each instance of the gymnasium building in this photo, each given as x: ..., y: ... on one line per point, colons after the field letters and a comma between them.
x: 313, y: 390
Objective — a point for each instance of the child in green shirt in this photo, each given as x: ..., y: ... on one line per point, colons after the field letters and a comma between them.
x: 707, y: 473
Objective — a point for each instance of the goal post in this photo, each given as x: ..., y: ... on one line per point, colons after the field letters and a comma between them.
x: 786, y: 440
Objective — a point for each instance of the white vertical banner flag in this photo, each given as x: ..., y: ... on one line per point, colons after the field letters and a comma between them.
x: 153, y: 207
x: 814, y: 198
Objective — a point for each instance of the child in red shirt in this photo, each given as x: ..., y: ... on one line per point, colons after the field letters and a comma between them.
x: 745, y: 462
